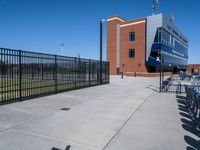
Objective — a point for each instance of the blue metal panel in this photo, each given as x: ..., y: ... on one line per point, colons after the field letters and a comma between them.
x: 167, y: 55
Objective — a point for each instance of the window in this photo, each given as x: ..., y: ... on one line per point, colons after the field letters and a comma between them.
x: 131, y: 36
x: 166, y: 36
x: 157, y: 38
x: 131, y: 53
x: 154, y: 54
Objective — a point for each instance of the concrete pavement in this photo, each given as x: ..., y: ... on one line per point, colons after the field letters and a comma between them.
x: 125, y: 115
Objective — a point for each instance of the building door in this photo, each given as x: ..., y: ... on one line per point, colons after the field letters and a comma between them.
x: 192, y: 70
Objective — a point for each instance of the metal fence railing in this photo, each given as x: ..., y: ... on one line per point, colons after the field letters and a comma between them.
x: 192, y: 104
x: 176, y: 84
x: 25, y: 75
x: 173, y: 88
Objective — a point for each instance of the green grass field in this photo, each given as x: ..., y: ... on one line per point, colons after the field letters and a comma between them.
x: 10, y: 88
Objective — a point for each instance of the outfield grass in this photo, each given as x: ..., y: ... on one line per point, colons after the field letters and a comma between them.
x: 10, y: 88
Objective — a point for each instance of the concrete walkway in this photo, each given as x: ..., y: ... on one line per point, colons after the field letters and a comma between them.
x: 125, y: 115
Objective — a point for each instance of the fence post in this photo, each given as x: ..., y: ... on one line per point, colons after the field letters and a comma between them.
x: 89, y: 72
x: 75, y: 72
x: 42, y: 72
x: 55, y: 74
x: 20, y: 75
x: 79, y: 72
x: 160, y: 88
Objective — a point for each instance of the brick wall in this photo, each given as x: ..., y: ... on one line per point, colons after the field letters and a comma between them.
x: 127, y: 65
x: 193, y: 67
x: 112, y: 43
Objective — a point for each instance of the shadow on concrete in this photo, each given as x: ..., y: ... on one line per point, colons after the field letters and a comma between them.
x: 181, y: 101
x: 191, y: 129
x: 194, y: 144
x: 180, y: 97
x: 152, y: 88
x: 189, y: 148
x: 186, y: 115
x: 188, y: 124
x: 67, y: 148
x: 183, y: 109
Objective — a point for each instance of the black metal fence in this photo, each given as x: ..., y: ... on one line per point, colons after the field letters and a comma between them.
x: 25, y: 75
x: 178, y: 88
x: 173, y: 88
x: 174, y: 84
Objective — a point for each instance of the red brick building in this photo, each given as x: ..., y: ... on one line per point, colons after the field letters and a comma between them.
x: 132, y: 47
x: 191, y: 68
x: 127, y: 64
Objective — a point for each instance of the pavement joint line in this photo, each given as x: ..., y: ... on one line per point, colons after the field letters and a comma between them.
x: 126, y: 121
x: 91, y: 97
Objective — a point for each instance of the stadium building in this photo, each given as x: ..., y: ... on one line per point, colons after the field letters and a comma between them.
x: 140, y: 46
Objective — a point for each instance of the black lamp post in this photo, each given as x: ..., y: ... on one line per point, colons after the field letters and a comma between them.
x: 101, y: 41
x: 170, y: 70
x: 160, y: 76
x: 159, y: 59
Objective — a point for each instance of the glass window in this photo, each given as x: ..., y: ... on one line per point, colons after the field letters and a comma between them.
x: 166, y: 36
x: 131, y: 53
x: 131, y: 36
x: 158, y: 36
x: 154, y: 54
x: 180, y: 48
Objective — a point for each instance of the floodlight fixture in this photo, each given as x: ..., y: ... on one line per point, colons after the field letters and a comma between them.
x: 155, y: 2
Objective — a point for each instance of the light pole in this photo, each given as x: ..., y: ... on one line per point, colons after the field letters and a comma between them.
x: 101, y: 41
x: 170, y: 70
x: 159, y: 59
x: 160, y: 75
x: 162, y: 69
x: 155, y: 2
x: 62, y: 49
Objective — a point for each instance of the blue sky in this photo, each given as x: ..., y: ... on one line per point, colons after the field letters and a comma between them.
x: 41, y: 25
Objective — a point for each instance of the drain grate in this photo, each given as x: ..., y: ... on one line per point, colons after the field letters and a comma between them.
x: 65, y: 109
